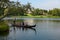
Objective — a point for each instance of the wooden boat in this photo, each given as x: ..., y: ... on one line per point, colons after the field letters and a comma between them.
x: 28, y: 26
x: 22, y: 24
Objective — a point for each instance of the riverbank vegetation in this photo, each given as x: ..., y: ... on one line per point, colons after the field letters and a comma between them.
x: 3, y: 26
x: 11, y: 9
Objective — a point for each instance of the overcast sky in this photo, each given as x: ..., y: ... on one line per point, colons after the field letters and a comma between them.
x: 42, y: 4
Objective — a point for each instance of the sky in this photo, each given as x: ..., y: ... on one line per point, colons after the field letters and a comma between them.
x: 42, y: 4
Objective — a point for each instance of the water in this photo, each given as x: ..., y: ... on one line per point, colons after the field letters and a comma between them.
x: 46, y: 29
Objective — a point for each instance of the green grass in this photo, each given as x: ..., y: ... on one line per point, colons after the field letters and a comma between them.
x: 53, y: 16
x: 28, y: 17
x: 35, y: 16
x: 4, y: 27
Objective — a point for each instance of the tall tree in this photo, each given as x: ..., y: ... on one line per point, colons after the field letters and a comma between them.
x: 55, y: 12
x: 4, y: 3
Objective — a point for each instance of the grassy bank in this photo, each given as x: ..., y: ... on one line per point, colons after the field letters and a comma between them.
x: 3, y: 27
x: 35, y: 17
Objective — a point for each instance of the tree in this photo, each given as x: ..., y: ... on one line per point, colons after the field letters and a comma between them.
x: 27, y: 7
x: 4, y: 1
x: 1, y: 11
x: 55, y: 12
x: 3, y: 5
x: 39, y: 12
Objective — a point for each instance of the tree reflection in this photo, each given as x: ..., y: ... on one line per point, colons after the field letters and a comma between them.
x: 4, y: 35
x: 29, y: 21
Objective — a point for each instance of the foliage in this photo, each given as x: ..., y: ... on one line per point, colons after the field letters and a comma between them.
x: 4, y: 26
x: 39, y: 12
x: 1, y: 11
x: 12, y: 8
x: 54, y: 12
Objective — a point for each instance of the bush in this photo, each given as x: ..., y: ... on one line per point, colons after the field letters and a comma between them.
x: 4, y: 27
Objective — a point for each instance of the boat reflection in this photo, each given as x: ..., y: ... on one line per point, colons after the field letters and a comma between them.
x: 24, y: 28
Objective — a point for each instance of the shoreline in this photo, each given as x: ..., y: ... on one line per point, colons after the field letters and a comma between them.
x: 34, y: 17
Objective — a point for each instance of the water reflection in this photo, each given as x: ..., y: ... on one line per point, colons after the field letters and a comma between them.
x: 29, y: 21
x: 46, y: 30
x: 24, y: 29
x: 4, y: 35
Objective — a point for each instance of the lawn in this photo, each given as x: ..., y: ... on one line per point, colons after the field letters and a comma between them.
x: 35, y: 16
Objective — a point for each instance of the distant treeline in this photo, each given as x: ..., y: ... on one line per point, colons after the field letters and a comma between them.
x: 11, y: 8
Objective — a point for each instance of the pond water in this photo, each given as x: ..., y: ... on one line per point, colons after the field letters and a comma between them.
x: 46, y: 29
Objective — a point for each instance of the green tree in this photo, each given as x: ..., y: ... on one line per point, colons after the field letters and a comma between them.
x: 39, y: 12
x: 3, y: 5
x: 54, y: 12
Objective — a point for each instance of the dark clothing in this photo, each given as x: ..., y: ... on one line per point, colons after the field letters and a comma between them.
x: 22, y: 23
x: 14, y: 21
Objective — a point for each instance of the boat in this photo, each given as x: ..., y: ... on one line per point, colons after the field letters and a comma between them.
x: 27, y: 26
x: 22, y: 24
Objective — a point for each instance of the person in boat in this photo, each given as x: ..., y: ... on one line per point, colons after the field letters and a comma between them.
x: 23, y: 23
x: 14, y: 21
